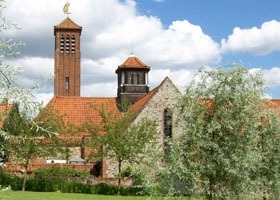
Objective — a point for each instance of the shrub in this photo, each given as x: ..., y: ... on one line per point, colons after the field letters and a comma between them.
x: 59, y: 172
x: 130, y: 172
x: 57, y: 179
x: 133, y: 191
x: 42, y: 185
x: 6, y: 179
x: 105, y: 189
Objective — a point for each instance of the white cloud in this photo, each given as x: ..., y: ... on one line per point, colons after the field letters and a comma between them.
x: 259, y: 41
x: 109, y: 29
x: 272, y: 77
x: 181, y: 44
x: 108, y: 89
x: 180, y: 77
x: 43, y: 97
x: 35, y: 70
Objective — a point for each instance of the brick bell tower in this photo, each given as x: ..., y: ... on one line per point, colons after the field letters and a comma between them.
x: 67, y: 59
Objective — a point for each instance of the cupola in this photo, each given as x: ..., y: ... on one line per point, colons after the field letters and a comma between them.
x: 133, y: 80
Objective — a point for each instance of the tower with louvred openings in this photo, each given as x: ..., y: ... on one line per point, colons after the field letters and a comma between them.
x: 67, y: 59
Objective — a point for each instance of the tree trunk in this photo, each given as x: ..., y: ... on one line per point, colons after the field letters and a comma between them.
x: 25, y: 176
x: 24, y: 180
x: 119, y: 176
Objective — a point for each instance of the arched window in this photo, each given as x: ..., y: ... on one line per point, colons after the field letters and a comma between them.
x: 167, y: 126
x: 167, y: 123
x: 67, y: 83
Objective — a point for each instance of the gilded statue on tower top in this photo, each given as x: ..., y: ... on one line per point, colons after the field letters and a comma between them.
x: 66, y: 8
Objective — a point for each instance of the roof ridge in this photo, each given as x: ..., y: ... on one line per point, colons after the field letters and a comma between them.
x: 84, y: 97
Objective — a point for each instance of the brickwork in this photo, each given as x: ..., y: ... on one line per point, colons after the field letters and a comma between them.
x: 67, y: 67
x: 15, y: 168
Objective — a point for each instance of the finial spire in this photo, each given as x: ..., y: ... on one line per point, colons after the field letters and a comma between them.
x: 132, y: 50
x: 66, y: 8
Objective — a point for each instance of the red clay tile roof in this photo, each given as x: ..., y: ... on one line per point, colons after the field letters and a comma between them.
x: 79, y: 110
x: 133, y: 62
x: 275, y: 104
x: 140, y: 104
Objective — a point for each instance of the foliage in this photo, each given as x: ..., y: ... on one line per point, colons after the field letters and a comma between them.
x: 267, y: 173
x: 53, y: 185
x: 220, y: 113
x: 10, y: 92
x: 136, y: 175
x: 51, y: 120
x: 6, y: 179
x: 14, y: 123
x: 3, y: 189
x: 7, y: 48
x: 4, y: 138
x: 121, y: 139
x: 27, y: 140
x: 68, y: 186
x: 61, y: 179
x: 20, y: 135
x: 59, y: 172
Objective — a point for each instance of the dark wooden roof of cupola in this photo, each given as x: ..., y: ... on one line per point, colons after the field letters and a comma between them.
x: 132, y: 62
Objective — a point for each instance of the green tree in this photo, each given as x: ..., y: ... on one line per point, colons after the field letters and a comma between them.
x: 20, y: 135
x: 267, y: 174
x: 120, y: 138
x: 14, y: 123
x: 3, y: 147
x: 26, y: 139
x: 220, y: 113
x: 7, y: 73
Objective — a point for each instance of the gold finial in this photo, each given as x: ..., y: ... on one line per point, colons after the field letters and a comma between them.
x: 66, y: 8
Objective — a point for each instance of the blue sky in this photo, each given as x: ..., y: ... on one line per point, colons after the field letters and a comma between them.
x: 174, y: 37
x: 217, y: 18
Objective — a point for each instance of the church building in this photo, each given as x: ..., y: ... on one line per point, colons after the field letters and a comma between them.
x: 132, y: 79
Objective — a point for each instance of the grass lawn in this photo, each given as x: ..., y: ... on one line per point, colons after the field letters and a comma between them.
x: 18, y: 195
